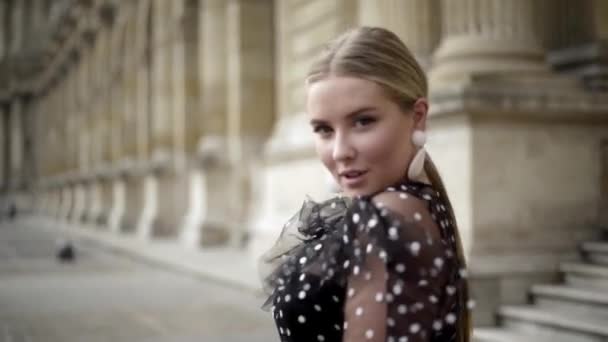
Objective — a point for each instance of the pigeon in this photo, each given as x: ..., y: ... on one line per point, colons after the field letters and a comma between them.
x: 65, y: 251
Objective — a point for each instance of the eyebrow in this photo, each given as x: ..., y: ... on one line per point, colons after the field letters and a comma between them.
x: 348, y: 116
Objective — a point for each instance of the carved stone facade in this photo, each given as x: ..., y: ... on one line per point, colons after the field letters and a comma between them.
x: 185, y: 120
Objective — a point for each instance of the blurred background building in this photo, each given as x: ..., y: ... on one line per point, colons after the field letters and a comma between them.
x: 184, y: 120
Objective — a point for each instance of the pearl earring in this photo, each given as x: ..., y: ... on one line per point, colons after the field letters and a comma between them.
x: 417, y: 164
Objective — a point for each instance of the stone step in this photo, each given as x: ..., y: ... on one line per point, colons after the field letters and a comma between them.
x: 583, y: 275
x: 506, y: 335
x: 557, y: 326
x: 596, y: 252
x: 571, y: 299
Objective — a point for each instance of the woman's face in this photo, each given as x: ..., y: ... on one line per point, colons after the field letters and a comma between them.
x: 361, y: 135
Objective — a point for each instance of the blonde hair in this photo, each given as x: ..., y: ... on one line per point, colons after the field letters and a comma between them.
x: 378, y: 55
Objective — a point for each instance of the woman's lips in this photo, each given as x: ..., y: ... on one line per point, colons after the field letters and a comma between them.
x: 353, y: 178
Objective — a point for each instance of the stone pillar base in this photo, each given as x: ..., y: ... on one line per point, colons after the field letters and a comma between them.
x: 166, y: 204
x: 79, y: 203
x: 117, y: 210
x: 67, y: 201
x: 94, y: 203
x: 512, y: 152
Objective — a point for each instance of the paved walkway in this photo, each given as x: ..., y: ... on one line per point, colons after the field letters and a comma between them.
x: 108, y: 294
x: 224, y: 265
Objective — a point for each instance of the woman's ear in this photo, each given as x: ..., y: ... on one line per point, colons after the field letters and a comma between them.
x: 420, y: 109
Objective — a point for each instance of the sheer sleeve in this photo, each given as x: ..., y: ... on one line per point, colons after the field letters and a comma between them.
x: 396, y: 290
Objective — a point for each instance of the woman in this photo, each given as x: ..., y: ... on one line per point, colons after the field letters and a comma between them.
x: 383, y: 261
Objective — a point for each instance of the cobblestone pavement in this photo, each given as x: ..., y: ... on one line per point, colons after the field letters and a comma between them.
x: 109, y: 297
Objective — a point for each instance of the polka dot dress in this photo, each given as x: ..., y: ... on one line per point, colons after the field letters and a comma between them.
x: 374, y: 268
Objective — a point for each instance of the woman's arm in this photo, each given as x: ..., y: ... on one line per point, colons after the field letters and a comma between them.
x: 395, y: 294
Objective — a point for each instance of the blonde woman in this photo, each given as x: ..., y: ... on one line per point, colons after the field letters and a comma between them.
x: 383, y: 261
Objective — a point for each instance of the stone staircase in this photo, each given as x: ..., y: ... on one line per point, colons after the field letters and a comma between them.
x: 574, y: 311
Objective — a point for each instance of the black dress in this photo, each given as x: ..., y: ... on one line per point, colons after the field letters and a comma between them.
x: 374, y: 268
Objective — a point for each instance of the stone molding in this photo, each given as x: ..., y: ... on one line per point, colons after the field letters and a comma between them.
x: 534, y: 97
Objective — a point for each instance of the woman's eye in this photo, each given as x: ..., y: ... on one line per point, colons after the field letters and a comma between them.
x: 323, y: 130
x: 364, y: 121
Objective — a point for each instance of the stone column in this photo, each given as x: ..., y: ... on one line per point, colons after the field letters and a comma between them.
x: 301, y: 30
x: 132, y: 129
x: 3, y: 32
x: 416, y: 22
x: 116, y: 97
x: 207, y: 212
x: 166, y: 187
x: 3, y: 151
x: 16, y: 143
x: 250, y: 107
x: 498, y: 120
x: 17, y: 21
x: 578, y: 41
x: 481, y: 36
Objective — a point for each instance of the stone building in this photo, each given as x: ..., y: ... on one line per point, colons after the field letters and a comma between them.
x: 184, y: 120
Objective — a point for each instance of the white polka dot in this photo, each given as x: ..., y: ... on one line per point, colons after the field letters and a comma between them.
x: 397, y: 289
x: 433, y: 299
x: 400, y: 268
x: 302, y: 319
x: 302, y: 295
x: 415, y: 247
x: 281, y: 330
x: 287, y: 298
x: 402, y: 309
x: 372, y: 222
x: 379, y: 297
x: 463, y: 272
x: 403, y: 196
x: 450, y: 290
x: 403, y: 339
x: 351, y: 292
x: 369, y: 334
x: 356, y: 218
x: 369, y: 248
x: 306, y: 287
x: 356, y: 270
x: 359, y: 311
x: 470, y: 304
x: 317, y: 307
x: 393, y: 233
x: 288, y: 332
x: 390, y: 322
x: 417, y: 216
x: 437, y: 325
x: 426, y: 197
x: 302, y: 276
x: 335, y: 299
x: 345, y: 238
x: 423, y: 282
x: 302, y: 260
x: 368, y: 276
x: 318, y: 247
x: 438, y: 262
x: 281, y: 313
x: 382, y: 255
x: 414, y: 328
x: 345, y: 325
x: 320, y: 338
x: 450, y: 318
x: 389, y: 298
x: 346, y: 264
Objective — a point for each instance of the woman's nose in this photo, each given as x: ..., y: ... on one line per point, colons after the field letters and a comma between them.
x: 342, y: 150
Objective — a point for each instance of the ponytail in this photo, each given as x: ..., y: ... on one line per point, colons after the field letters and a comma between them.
x: 465, y: 326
